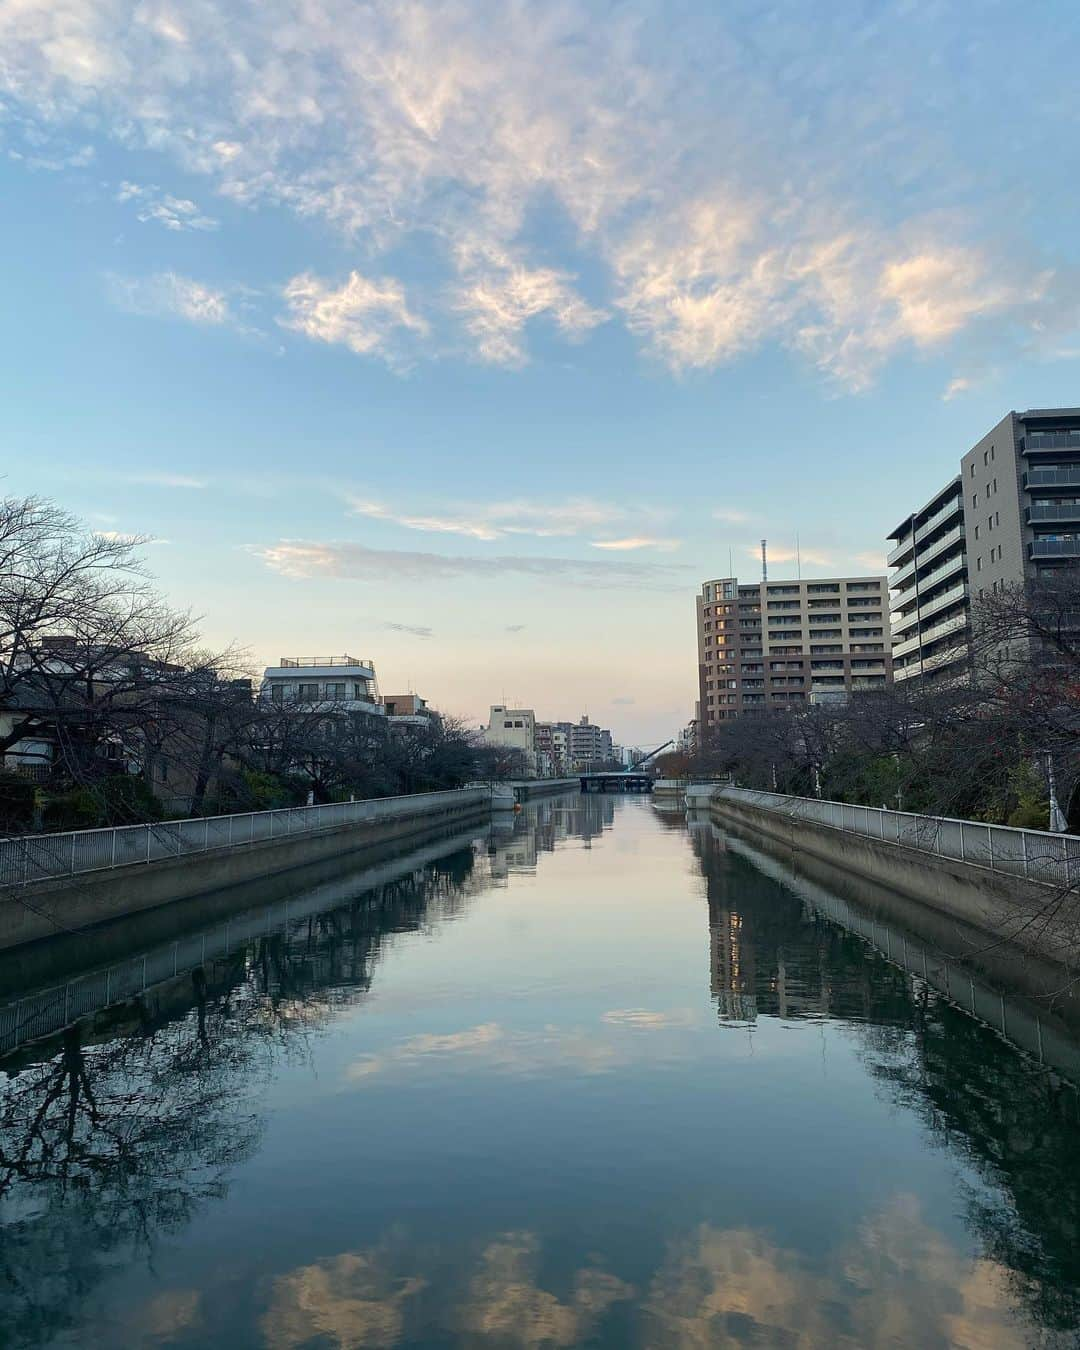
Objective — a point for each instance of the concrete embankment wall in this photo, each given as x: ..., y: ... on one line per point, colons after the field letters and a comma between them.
x: 544, y: 787
x: 48, y: 908
x: 1032, y: 917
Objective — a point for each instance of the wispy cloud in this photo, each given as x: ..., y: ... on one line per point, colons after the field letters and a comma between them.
x: 498, y: 520
x: 165, y: 480
x: 413, y: 630
x: 959, y: 384
x: 730, y: 516
x: 515, y: 628
x: 174, y: 213
x: 367, y: 316
x: 647, y: 1019
x: 781, y: 553
x: 356, y: 562
x: 500, y: 295
x: 635, y: 542
x: 56, y: 163
x: 166, y: 295
x: 700, y: 209
x: 873, y: 562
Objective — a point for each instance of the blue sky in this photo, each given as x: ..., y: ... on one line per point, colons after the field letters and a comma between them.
x: 472, y: 337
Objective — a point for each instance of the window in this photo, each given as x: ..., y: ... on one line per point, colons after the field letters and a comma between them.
x: 978, y: 564
x: 519, y: 724
x: 995, y: 485
x: 336, y: 690
x: 307, y: 693
x: 277, y: 693
x: 997, y: 518
x: 976, y: 531
x: 986, y: 456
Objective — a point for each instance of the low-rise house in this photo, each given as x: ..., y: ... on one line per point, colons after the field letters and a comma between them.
x: 408, y: 710
x: 344, y: 684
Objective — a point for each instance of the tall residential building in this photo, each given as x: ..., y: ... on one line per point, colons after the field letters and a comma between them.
x: 1011, y: 515
x: 931, y: 595
x: 782, y: 643
x: 590, y: 745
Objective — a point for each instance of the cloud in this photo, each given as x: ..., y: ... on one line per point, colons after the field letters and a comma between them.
x: 644, y: 1019
x: 623, y: 702
x: 57, y: 163
x: 356, y: 562
x: 365, y: 315
x: 781, y: 553
x: 168, y: 295
x: 174, y: 213
x: 413, y: 630
x: 788, y: 191
x: 636, y: 542
x: 167, y: 480
x: 515, y: 628
x: 500, y: 295
x: 499, y: 519
x: 959, y: 384
x: 873, y: 562
x: 732, y: 517
x: 507, y: 1305
x: 355, y: 1299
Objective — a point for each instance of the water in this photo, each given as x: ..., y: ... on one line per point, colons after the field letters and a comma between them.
x: 602, y: 1081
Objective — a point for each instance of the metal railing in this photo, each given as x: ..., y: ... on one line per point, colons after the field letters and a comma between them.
x: 1036, y: 855
x: 40, y: 857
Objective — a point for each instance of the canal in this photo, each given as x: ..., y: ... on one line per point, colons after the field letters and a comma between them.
x: 595, y: 1078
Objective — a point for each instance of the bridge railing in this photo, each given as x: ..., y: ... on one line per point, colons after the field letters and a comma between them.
x: 1035, y: 855
x: 38, y: 857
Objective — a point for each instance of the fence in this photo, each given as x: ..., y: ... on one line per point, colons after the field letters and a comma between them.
x: 1053, y: 859
x: 40, y: 857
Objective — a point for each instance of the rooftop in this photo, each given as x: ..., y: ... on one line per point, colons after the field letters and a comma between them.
x: 304, y: 662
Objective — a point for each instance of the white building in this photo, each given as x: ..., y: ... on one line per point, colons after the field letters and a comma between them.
x: 340, y: 683
x: 514, y: 728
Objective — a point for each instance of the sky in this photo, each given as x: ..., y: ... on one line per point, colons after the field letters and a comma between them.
x: 472, y: 337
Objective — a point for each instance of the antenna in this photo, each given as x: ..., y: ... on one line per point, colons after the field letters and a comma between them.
x: 798, y: 557
x: 730, y: 564
x: 764, y: 560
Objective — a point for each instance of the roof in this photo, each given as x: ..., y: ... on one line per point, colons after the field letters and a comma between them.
x: 950, y: 486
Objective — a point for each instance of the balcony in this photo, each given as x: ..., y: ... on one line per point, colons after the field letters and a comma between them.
x: 947, y: 541
x: 906, y: 672
x: 1040, y: 549
x: 904, y: 577
x: 1060, y: 512
x: 954, y: 507
x: 902, y: 549
x: 929, y: 635
x: 932, y: 579
x: 1041, y: 442
x: 1052, y: 476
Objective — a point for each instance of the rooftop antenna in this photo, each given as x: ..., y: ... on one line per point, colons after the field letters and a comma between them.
x: 798, y: 557
x: 730, y: 564
x: 764, y: 561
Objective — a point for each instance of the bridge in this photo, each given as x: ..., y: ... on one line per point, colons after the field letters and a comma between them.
x: 619, y: 780
x: 633, y: 779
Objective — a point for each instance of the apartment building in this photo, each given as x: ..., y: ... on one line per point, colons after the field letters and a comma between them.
x: 931, y: 597
x: 590, y: 745
x: 783, y: 643
x: 340, y: 683
x: 514, y: 728
x: 1010, y: 515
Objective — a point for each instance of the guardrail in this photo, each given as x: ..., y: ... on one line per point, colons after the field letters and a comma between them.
x: 1036, y: 855
x: 40, y: 857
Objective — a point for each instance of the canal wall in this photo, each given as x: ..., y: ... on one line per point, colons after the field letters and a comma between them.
x: 1037, y: 1014
x: 84, y: 897
x: 527, y: 788
x: 995, y: 896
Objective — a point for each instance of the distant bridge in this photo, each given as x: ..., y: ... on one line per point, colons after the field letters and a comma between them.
x: 616, y: 781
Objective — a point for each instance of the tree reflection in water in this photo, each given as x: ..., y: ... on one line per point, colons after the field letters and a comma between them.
x: 113, y: 1135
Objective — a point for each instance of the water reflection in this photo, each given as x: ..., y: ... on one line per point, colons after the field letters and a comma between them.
x: 495, y: 1100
